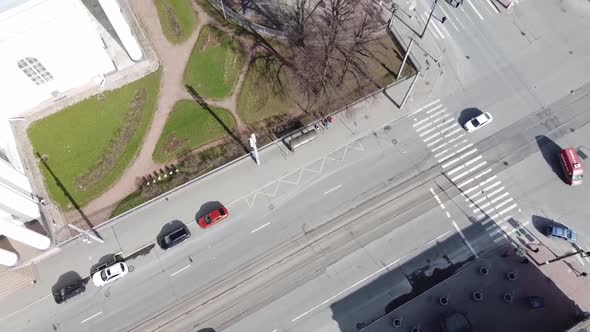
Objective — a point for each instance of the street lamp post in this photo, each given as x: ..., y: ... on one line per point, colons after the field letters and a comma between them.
x: 429, y: 18
x: 254, y: 148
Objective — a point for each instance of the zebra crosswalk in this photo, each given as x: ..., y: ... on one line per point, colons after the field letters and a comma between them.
x: 484, y: 196
x: 462, y: 18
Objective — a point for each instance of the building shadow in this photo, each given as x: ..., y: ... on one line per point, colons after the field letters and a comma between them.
x: 468, y: 114
x: 65, y: 191
x: 412, y: 291
x: 550, y: 152
x: 95, y: 9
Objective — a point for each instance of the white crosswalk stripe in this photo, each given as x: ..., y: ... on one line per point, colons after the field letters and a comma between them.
x: 482, y: 191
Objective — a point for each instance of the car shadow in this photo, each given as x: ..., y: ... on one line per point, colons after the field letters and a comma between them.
x: 106, y: 259
x: 169, y: 227
x: 468, y: 114
x: 208, y: 207
x: 550, y: 151
x: 67, y: 278
x: 541, y: 224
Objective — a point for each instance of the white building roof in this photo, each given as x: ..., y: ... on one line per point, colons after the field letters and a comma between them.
x: 56, y: 43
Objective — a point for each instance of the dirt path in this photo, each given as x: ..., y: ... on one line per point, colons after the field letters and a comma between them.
x: 173, y: 59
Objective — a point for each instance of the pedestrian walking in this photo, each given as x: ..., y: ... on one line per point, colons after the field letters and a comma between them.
x: 443, y: 20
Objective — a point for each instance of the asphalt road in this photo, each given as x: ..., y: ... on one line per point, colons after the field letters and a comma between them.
x: 389, y: 207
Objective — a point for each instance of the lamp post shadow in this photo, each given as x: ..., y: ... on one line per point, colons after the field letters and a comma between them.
x: 68, y: 195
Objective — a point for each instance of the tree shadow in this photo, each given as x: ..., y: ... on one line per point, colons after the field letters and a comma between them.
x: 61, y: 186
x: 201, y: 101
x: 468, y: 114
x: 208, y: 207
x: 550, y: 151
x: 68, y: 278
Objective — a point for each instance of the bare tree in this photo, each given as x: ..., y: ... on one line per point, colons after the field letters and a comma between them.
x: 329, y: 41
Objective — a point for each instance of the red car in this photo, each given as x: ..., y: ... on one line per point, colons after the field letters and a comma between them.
x: 213, y: 217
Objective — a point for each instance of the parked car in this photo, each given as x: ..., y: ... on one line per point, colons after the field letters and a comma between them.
x: 561, y: 232
x: 109, y: 273
x: 213, y: 217
x: 68, y: 291
x: 478, y: 122
x: 455, y: 3
x: 174, y: 237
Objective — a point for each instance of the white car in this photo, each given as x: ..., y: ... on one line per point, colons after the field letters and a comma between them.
x: 109, y: 273
x: 478, y: 122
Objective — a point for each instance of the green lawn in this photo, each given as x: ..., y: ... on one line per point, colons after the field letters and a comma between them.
x: 215, y: 64
x: 260, y: 96
x: 177, y: 19
x: 88, y: 145
x: 189, y: 126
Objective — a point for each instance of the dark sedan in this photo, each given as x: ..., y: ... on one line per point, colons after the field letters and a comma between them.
x: 174, y: 237
x: 68, y: 291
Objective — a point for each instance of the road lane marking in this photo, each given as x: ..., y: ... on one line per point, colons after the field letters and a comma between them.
x: 177, y: 272
x: 451, y: 20
x: 463, y: 148
x: 483, y: 163
x: 426, y: 106
x: 485, y: 197
x: 448, y: 214
x: 493, y: 7
x: 442, y: 35
x: 331, y: 190
x: 492, y: 185
x: 455, y: 170
x: 499, y: 198
x: 25, y: 307
x: 465, y: 240
x: 434, y: 142
x: 456, y: 138
x: 427, y: 132
x: 259, y: 228
x: 471, y: 161
x: 508, y: 209
x: 89, y: 318
x: 370, y: 276
x: 483, y: 173
x: 459, y: 176
x: 430, y: 137
x: 461, y: 185
x: 424, y: 127
x: 475, y: 10
x: 453, y: 132
x: 438, y: 147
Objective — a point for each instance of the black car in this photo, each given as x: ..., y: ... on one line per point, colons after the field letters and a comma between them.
x: 68, y: 291
x: 174, y: 237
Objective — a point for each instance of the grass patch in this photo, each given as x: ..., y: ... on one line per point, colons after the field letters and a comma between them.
x: 264, y: 93
x: 88, y: 145
x: 177, y: 19
x: 215, y: 64
x: 188, y: 127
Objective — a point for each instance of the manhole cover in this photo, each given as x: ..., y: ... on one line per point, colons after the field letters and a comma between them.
x: 582, y: 154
